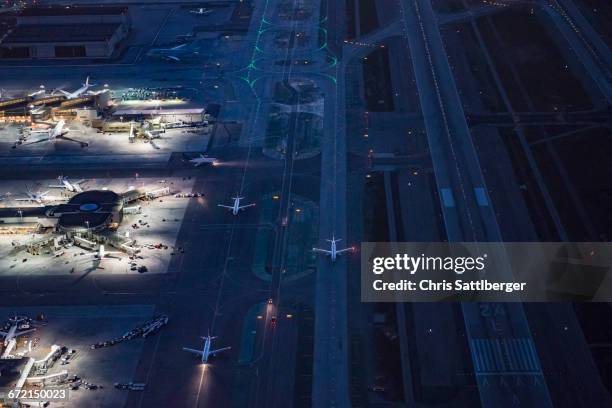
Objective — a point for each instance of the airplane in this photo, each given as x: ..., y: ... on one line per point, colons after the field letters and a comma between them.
x: 14, y: 331
x: 78, y: 92
x: 55, y: 133
x: 150, y: 136
x: 334, y: 251
x: 38, y: 197
x: 72, y: 186
x: 174, y: 54
x: 206, y: 351
x: 41, y: 91
x: 102, y: 253
x: 236, y: 207
x: 201, y: 11
x: 203, y: 160
x: 37, y: 110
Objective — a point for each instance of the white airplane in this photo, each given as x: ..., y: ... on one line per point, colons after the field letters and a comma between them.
x: 198, y: 161
x: 333, y: 252
x: 150, y: 136
x: 174, y: 54
x: 206, y: 352
x: 78, y: 92
x: 14, y: 331
x: 56, y: 131
x: 72, y: 186
x: 37, y: 110
x: 201, y: 11
x: 38, y: 197
x: 102, y: 253
x: 41, y: 91
x: 236, y: 208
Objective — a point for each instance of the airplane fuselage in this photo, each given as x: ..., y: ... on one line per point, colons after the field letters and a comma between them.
x: 10, y: 335
x: 206, y: 351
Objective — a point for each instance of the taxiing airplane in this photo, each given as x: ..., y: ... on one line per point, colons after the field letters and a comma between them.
x: 15, y: 329
x: 201, y: 11
x: 236, y: 208
x: 72, y: 186
x: 333, y: 252
x: 198, y: 161
x: 206, y: 352
x: 78, y: 92
x: 174, y: 54
x: 38, y: 197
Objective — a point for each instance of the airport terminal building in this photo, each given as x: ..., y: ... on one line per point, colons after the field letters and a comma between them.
x: 61, y: 32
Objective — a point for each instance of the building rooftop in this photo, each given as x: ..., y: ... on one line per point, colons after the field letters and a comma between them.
x: 73, y: 11
x: 61, y: 33
x: 179, y: 111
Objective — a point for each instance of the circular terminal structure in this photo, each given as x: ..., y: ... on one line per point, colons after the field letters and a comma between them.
x: 93, y: 210
x: 87, y: 207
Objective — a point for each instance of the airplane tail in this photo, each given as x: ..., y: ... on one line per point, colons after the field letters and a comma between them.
x: 86, y: 81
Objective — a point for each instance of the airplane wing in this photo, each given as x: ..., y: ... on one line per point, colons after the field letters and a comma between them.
x: 64, y: 92
x: 225, y: 206
x: 246, y: 206
x: 172, y: 58
x: 3, y: 334
x: 198, y: 352
x: 341, y: 251
x: 213, y: 352
x: 321, y: 251
x: 24, y: 332
x: 178, y: 47
x: 24, y: 199
x: 55, y: 186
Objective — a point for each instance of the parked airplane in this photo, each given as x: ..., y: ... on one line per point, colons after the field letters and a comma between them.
x: 102, y: 253
x: 37, y: 110
x: 206, y: 352
x: 72, y: 186
x: 174, y: 54
x: 40, y: 92
x: 56, y: 132
x: 334, y: 251
x: 78, y: 92
x: 236, y: 207
x: 15, y: 329
x: 201, y: 11
x: 204, y: 160
x: 38, y: 197
x: 150, y: 136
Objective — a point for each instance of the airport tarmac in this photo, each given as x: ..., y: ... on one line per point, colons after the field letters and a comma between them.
x: 154, y: 231
x: 98, y: 143
x: 77, y: 329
